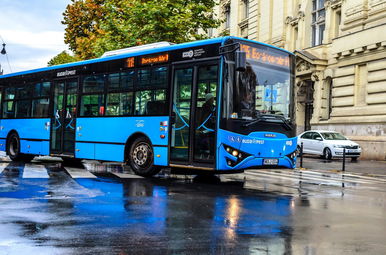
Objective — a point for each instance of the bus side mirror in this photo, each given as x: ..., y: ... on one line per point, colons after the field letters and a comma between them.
x: 241, y: 61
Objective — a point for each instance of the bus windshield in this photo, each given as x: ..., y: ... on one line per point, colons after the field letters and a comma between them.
x: 262, y: 90
x: 262, y: 93
x: 264, y: 87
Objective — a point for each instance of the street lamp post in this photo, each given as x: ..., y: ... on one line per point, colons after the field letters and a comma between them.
x: 4, y: 52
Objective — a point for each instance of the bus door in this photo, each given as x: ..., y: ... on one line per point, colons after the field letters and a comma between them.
x: 63, y: 117
x: 193, y: 115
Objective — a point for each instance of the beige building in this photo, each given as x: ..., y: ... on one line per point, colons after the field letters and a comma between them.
x: 341, y: 60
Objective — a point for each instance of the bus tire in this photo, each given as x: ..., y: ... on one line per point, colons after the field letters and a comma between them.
x: 141, y: 157
x: 13, y: 149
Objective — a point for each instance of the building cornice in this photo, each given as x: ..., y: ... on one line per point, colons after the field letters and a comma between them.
x: 333, y: 4
x: 360, y: 50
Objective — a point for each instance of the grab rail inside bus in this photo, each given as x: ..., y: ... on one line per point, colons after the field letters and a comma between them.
x: 57, y: 117
x: 182, y: 119
x: 187, y: 125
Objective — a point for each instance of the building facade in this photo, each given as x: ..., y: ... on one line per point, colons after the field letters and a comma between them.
x: 341, y: 60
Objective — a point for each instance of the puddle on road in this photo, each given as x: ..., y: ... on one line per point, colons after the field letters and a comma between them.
x: 187, y: 215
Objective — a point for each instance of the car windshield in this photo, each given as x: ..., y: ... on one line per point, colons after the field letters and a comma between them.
x: 333, y: 136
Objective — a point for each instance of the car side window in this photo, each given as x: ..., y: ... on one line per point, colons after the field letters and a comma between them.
x: 316, y: 136
x: 306, y: 135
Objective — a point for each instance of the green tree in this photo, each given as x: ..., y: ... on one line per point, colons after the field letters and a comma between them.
x: 96, y: 26
x: 62, y: 58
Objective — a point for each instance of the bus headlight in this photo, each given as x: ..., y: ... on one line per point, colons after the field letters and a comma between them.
x: 240, y: 156
x: 292, y: 155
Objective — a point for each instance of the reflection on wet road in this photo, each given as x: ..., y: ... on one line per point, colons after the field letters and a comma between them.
x: 48, y: 208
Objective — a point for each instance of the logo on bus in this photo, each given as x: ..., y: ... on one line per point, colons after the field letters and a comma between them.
x: 66, y: 73
x: 140, y: 123
x: 187, y: 54
x: 193, y: 53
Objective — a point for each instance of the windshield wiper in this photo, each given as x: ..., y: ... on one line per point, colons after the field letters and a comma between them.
x: 268, y: 117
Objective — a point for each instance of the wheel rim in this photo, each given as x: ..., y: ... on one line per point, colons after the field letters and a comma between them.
x: 328, y: 153
x: 141, y: 155
x: 14, y: 146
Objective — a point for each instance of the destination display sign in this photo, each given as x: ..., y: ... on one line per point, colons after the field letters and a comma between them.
x: 266, y: 56
x: 154, y: 59
x: 130, y: 62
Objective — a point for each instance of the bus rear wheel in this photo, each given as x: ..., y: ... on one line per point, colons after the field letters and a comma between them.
x: 141, y: 158
x: 13, y: 149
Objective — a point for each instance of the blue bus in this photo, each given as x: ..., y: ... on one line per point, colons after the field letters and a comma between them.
x: 217, y: 105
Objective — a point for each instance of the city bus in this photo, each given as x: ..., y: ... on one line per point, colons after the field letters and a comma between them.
x: 217, y: 105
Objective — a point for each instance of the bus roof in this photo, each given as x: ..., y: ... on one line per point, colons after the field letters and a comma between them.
x: 137, y: 53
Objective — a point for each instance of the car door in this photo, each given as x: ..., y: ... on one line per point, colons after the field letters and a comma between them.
x: 317, y: 143
x: 306, y: 140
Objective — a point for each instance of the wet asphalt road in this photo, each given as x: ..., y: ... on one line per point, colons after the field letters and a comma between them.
x: 49, y: 208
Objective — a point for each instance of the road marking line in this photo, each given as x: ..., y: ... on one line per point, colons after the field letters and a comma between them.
x: 35, y: 171
x: 3, y: 166
x: 322, y: 180
x: 348, y: 173
x: 127, y: 176
x: 79, y: 173
x: 338, y: 177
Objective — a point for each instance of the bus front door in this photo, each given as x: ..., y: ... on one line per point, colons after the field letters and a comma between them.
x: 193, y: 116
x: 63, y: 118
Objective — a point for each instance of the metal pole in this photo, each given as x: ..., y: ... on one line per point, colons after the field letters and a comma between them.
x: 301, y: 155
x: 344, y: 160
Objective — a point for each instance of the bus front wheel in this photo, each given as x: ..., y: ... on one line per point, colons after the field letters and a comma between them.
x: 141, y: 158
x: 13, y: 149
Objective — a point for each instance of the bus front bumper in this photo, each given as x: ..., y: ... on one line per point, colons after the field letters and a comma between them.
x: 255, y: 162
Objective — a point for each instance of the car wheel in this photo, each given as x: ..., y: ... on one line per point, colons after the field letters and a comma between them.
x: 354, y: 159
x: 141, y: 158
x: 327, y: 153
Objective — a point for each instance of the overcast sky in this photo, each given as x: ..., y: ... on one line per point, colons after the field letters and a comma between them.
x: 33, y: 32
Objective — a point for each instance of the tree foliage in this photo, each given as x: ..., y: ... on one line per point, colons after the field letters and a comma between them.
x: 62, y: 58
x: 96, y: 26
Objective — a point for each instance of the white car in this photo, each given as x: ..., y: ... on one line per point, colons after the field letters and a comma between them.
x: 328, y: 144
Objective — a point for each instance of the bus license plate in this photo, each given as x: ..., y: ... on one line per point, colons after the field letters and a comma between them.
x: 270, y: 161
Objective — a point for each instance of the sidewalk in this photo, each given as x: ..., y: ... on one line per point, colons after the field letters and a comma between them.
x: 365, y: 167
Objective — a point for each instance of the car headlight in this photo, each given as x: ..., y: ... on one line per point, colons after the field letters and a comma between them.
x: 338, y: 146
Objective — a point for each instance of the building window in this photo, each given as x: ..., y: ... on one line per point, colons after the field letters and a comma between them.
x: 318, y: 21
x: 245, y: 8
x: 329, y: 98
x: 227, y: 13
x: 338, y: 19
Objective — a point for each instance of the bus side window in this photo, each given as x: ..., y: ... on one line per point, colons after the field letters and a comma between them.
x: 9, y: 103
x: 119, y: 104
x: 93, y: 98
x: 121, y: 81
x: 40, y: 100
x: 8, y: 109
x: 93, y: 84
x: 150, y: 102
x: 91, y: 105
x: 23, y: 108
